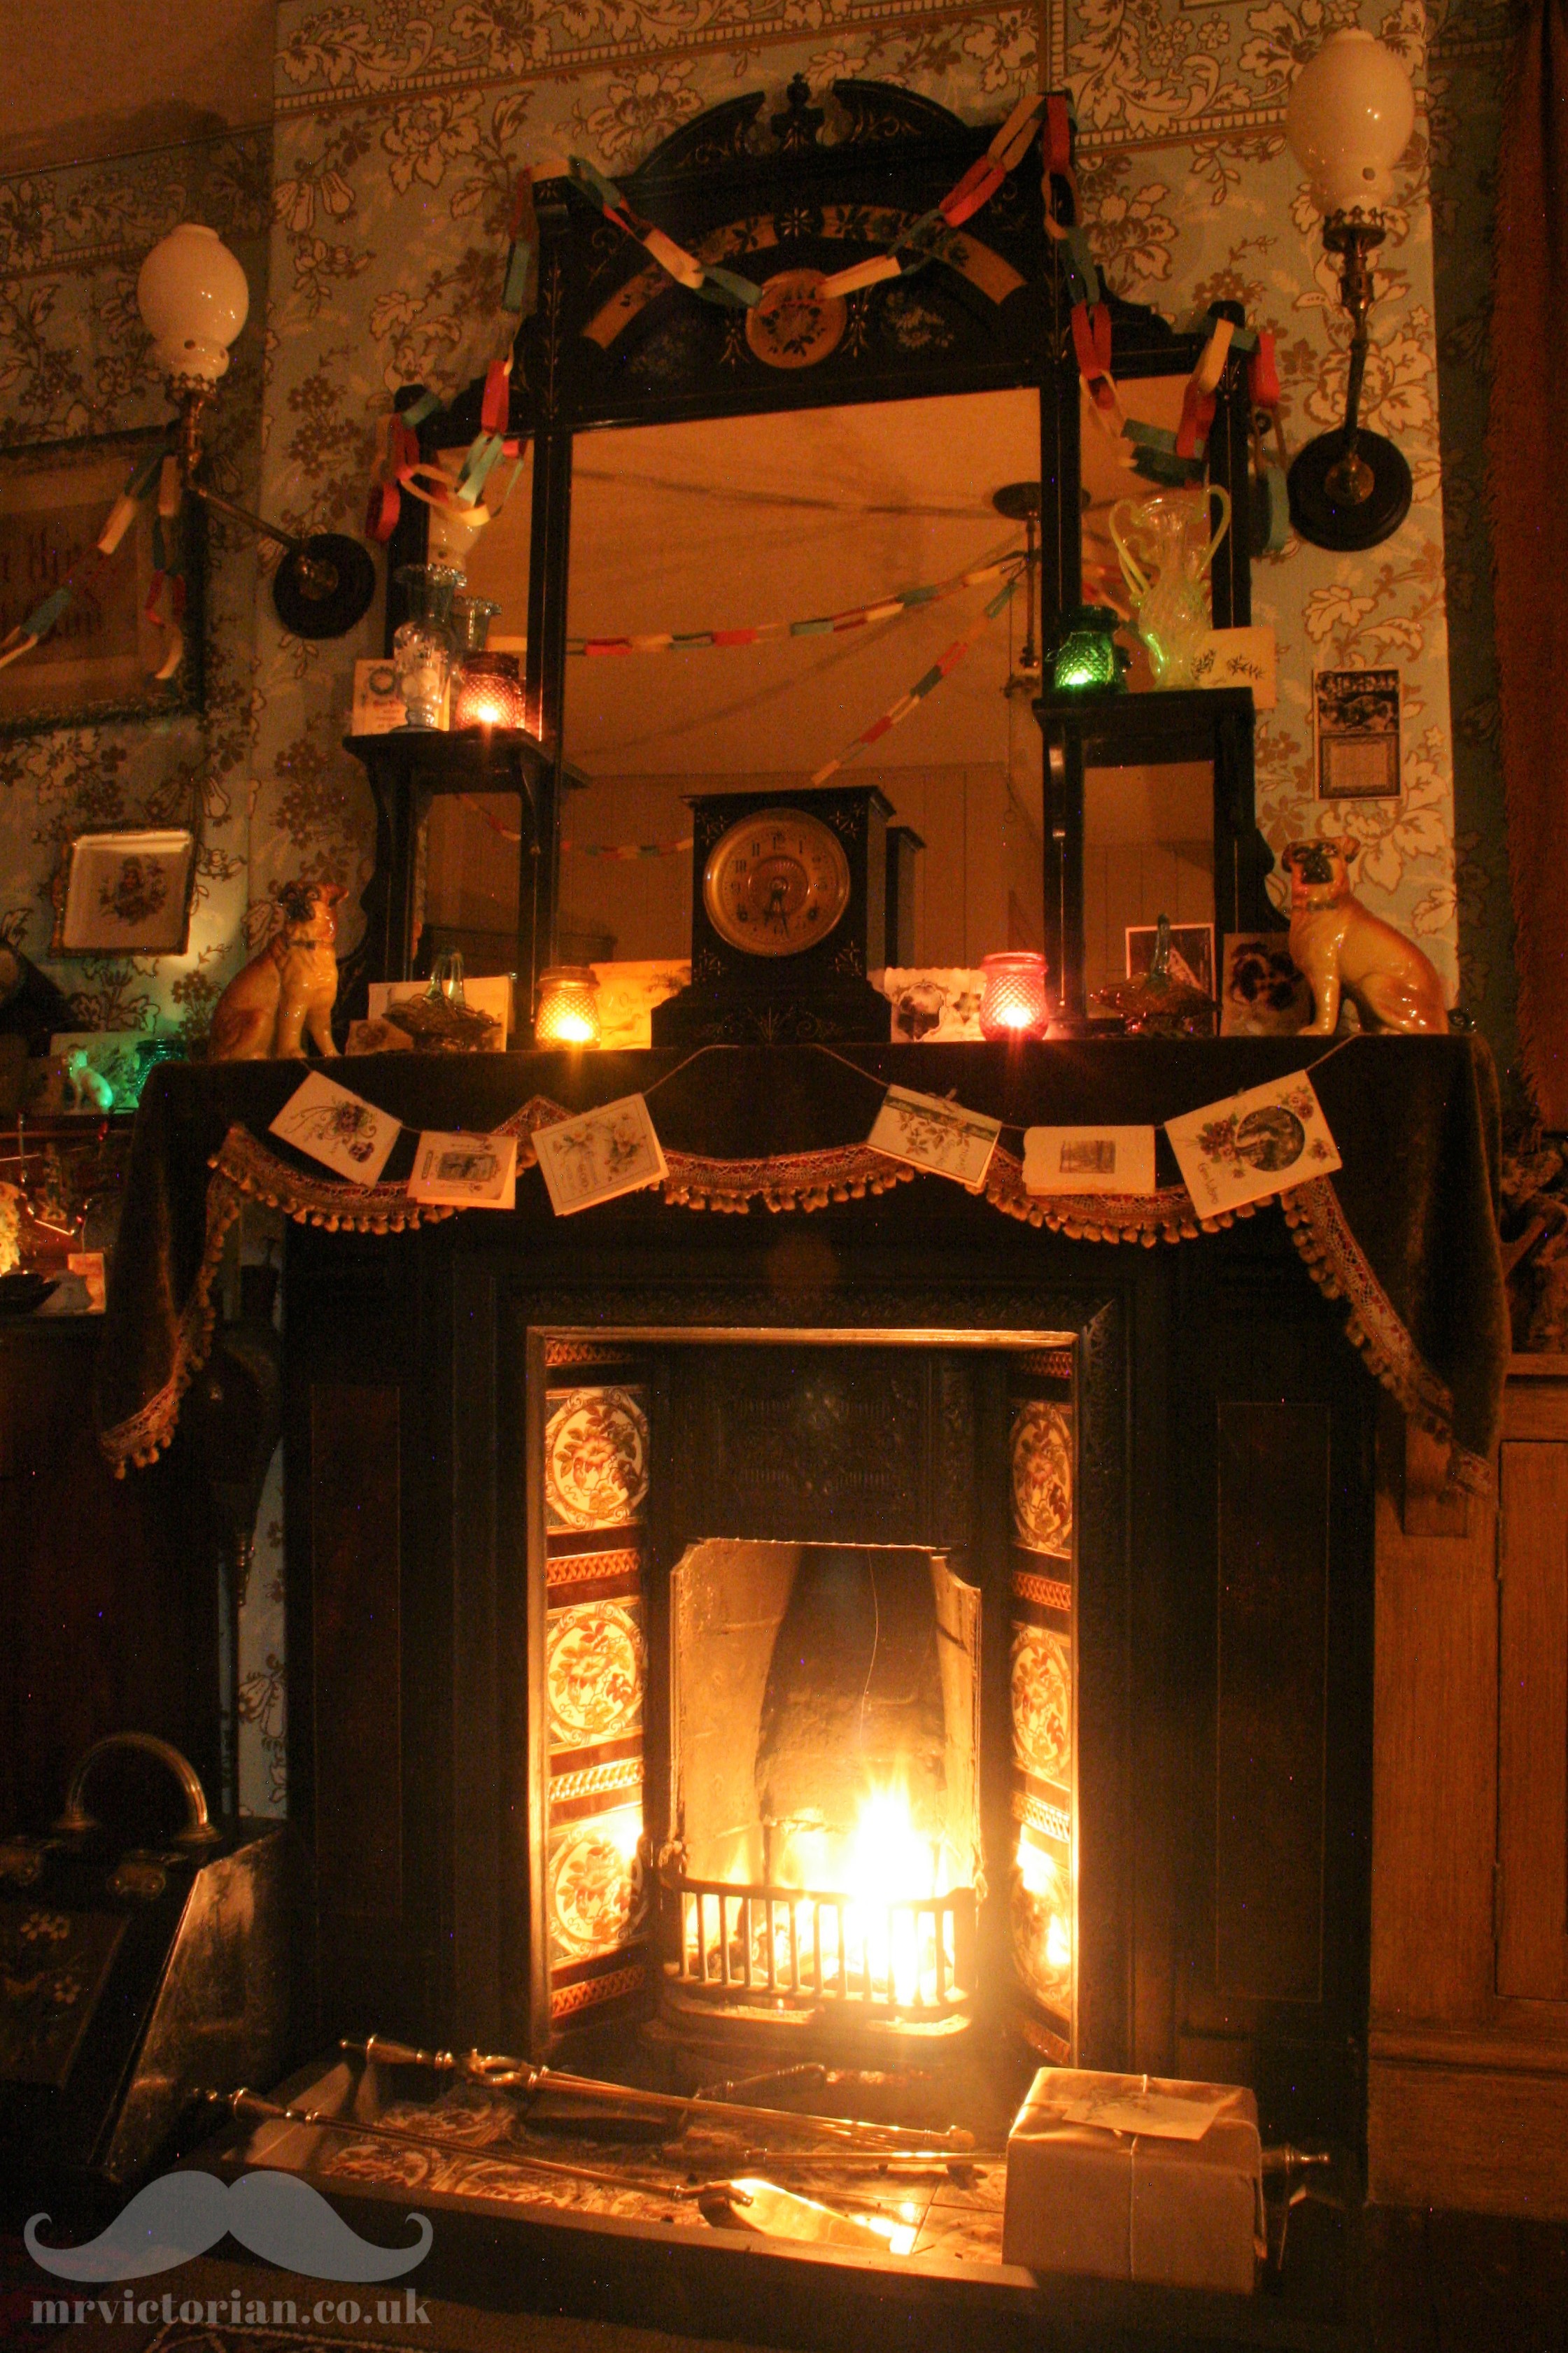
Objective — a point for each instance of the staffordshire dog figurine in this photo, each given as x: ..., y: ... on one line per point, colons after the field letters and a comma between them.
x: 288, y: 990
x: 1345, y: 950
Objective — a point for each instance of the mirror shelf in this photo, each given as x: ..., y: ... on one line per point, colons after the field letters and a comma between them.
x: 617, y: 350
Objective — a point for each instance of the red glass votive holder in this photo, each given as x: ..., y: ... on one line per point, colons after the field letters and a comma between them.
x: 488, y: 691
x: 1014, y: 1004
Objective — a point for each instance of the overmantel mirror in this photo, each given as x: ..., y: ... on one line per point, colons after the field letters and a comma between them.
x: 851, y: 508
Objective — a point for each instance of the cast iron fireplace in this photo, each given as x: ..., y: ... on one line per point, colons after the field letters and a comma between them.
x: 778, y: 1810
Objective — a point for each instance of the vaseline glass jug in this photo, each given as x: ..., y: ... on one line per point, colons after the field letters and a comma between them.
x: 1166, y: 543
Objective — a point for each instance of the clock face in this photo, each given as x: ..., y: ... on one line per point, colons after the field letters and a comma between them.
x: 775, y: 883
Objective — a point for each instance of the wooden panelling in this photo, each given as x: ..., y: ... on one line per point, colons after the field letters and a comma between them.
x: 1471, y: 2138
x: 357, y: 1648
x: 1434, y: 1770
x: 1270, y: 1723
x: 1532, y: 1723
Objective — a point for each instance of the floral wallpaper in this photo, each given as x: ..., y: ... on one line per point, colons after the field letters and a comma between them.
x: 73, y: 363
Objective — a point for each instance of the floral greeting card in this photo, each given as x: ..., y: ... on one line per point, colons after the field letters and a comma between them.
x: 346, y: 1133
x: 929, y: 1132
x: 599, y: 1154
x: 1256, y: 1145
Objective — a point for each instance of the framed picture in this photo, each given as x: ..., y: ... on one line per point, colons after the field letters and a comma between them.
x: 1191, y: 952
x: 1355, y: 714
x: 124, y: 893
x: 1265, y: 994
x: 100, y: 660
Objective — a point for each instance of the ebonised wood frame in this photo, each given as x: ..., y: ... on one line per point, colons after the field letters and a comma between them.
x: 615, y: 342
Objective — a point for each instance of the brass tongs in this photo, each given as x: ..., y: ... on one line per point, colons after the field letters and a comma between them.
x: 492, y: 2071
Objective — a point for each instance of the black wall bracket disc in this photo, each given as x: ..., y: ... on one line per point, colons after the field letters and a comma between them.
x: 324, y: 586
x: 1332, y: 521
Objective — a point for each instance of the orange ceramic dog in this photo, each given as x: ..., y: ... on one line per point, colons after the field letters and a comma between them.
x: 288, y: 990
x: 1345, y: 950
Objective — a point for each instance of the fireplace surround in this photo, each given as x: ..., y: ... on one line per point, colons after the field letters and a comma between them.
x: 1218, y: 1626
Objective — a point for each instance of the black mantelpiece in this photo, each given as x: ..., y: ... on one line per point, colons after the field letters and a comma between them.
x: 1225, y: 1470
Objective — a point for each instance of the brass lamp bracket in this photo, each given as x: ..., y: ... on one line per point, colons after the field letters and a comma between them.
x: 1350, y: 489
x: 325, y: 583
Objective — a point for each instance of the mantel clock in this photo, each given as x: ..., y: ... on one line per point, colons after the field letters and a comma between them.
x: 788, y: 920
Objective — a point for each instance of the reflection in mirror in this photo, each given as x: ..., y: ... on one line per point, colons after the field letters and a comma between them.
x: 470, y: 855
x: 1148, y: 851
x: 1109, y: 490
x: 721, y: 525
x: 465, y: 883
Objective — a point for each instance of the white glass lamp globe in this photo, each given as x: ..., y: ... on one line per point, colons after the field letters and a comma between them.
x: 1349, y: 120
x: 193, y: 295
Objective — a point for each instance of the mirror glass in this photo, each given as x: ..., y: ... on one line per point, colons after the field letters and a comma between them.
x: 808, y: 517
x: 470, y: 850
x: 1148, y: 833
x: 1148, y: 851
x: 1163, y: 532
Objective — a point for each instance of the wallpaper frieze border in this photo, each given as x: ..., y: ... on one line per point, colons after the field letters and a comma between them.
x: 770, y: 25
x: 1128, y: 120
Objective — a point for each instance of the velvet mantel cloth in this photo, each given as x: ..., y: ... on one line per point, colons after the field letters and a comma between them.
x: 1405, y: 1233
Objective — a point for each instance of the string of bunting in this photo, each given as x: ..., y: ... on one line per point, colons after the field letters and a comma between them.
x: 626, y: 852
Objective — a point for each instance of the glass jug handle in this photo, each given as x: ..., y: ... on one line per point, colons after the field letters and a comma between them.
x: 1216, y: 490
x: 1131, y: 571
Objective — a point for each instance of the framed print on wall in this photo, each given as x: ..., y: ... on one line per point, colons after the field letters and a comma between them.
x: 124, y: 893
x: 101, y: 660
x: 1355, y: 716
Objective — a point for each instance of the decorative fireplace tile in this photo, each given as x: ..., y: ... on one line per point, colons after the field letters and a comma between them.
x: 1042, y: 1705
x: 595, y: 1664
x: 598, y: 1898
x: 1041, y: 1453
x: 1042, y: 1924
x: 595, y: 1458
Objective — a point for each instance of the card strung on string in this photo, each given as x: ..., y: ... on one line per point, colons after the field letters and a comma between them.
x: 347, y: 1134
x: 599, y: 1154
x: 1089, y: 1160
x: 465, y: 1172
x: 926, y: 1131
x: 1256, y: 1145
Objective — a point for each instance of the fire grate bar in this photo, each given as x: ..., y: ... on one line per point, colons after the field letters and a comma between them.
x: 792, y: 1943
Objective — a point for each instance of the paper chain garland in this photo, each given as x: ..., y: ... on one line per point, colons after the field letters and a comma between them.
x: 900, y: 710
x: 165, y: 601
x: 1152, y: 451
x: 825, y: 625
